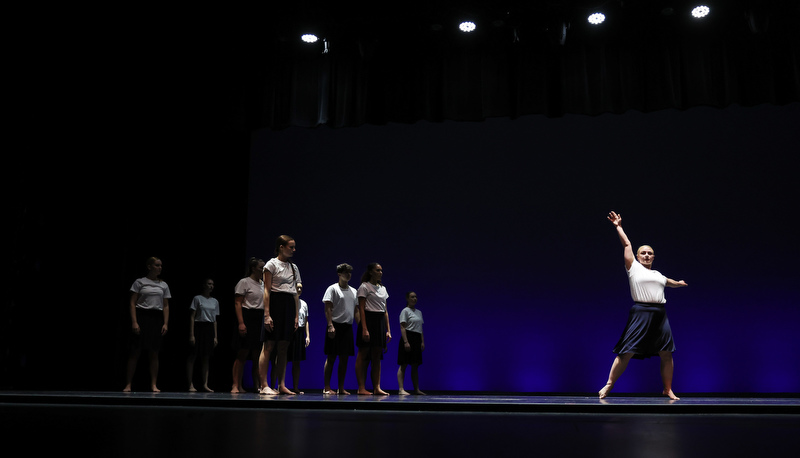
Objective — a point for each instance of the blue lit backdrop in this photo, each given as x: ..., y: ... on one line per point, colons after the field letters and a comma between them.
x: 500, y: 227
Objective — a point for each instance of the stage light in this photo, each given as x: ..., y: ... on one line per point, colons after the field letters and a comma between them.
x: 700, y: 11
x: 309, y: 38
x: 597, y: 18
x: 467, y: 26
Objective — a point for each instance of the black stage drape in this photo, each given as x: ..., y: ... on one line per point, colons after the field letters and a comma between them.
x: 543, y: 60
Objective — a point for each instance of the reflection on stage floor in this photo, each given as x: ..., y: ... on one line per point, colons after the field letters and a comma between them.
x: 440, y: 424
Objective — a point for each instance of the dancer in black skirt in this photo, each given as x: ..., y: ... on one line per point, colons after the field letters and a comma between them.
x: 249, y: 308
x: 341, y: 309
x: 149, y: 308
x: 202, y: 333
x: 281, y: 311
x: 410, y: 351
x: 374, y: 331
x: 648, y: 332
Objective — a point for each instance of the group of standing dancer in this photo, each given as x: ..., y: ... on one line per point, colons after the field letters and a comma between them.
x: 272, y: 325
x: 269, y: 312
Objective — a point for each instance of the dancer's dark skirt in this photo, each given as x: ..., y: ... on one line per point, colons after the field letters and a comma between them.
x: 150, y: 324
x: 254, y: 322
x: 647, y: 332
x: 376, y: 326
x: 342, y: 343
x: 203, y: 338
x: 282, y: 309
x: 414, y: 355
x: 297, y: 346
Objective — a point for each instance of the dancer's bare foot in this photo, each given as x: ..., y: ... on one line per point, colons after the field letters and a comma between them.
x: 267, y: 390
x: 328, y: 392
x: 237, y: 390
x: 284, y: 390
x: 419, y: 393
x: 364, y: 391
x: 206, y: 389
x: 403, y: 393
x: 127, y: 389
x: 192, y: 389
x: 670, y: 394
x: 380, y: 392
x: 343, y: 392
x: 604, y: 392
x: 155, y: 389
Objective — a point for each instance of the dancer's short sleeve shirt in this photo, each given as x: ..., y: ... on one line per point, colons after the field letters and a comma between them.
x: 285, y: 276
x: 412, y: 319
x: 375, y: 297
x: 151, y: 293
x: 252, y: 292
x: 344, y: 303
x: 646, y: 285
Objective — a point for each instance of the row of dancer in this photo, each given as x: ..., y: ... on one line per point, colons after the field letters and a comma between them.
x: 269, y: 310
x: 272, y: 325
x: 274, y: 321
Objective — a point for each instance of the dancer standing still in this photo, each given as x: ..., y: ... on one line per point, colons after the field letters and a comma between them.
x: 374, y: 331
x: 300, y: 341
x: 281, y: 311
x: 297, y: 347
x: 202, y: 333
x: 410, y: 352
x: 249, y: 308
x: 149, y: 309
x: 341, y: 307
x: 647, y: 332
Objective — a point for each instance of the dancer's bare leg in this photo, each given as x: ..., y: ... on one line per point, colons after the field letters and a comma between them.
x: 667, y: 369
x: 154, y: 371
x: 617, y: 368
x: 190, y: 371
x: 133, y: 358
x: 376, y: 371
x: 362, y: 361
x: 204, y: 370
x: 283, y: 346
x: 415, y: 379
x: 263, y: 367
x: 401, y: 375
x: 343, y: 359
x: 238, y: 371
x: 328, y: 373
x: 296, y: 377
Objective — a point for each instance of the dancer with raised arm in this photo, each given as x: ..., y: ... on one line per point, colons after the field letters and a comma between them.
x: 647, y: 332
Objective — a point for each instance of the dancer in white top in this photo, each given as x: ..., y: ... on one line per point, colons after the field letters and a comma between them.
x: 410, y: 351
x: 341, y: 307
x: 281, y: 311
x: 249, y: 309
x: 374, y: 330
x: 647, y: 332
x: 202, y: 333
x: 149, y: 309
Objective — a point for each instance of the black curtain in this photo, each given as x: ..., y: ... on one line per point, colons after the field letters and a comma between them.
x: 551, y: 64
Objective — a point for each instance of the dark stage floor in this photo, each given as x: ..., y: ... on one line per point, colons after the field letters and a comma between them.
x: 493, y: 425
